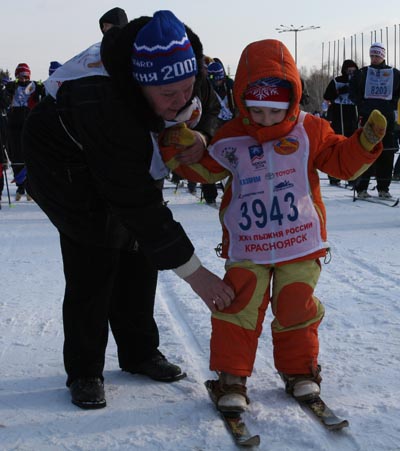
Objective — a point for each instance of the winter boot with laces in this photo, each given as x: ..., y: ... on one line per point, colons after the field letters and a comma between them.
x: 363, y: 194
x: 384, y: 195
x: 158, y: 368
x: 229, y: 393
x: 88, y: 393
x: 303, y: 386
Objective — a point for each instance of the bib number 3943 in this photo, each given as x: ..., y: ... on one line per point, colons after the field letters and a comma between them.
x: 256, y: 212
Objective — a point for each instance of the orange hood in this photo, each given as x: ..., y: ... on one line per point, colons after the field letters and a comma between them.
x: 261, y: 59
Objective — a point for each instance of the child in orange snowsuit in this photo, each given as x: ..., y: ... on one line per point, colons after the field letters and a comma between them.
x: 273, y: 218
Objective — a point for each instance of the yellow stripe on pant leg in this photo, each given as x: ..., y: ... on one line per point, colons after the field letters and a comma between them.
x: 236, y: 330
x: 298, y: 314
x: 293, y: 285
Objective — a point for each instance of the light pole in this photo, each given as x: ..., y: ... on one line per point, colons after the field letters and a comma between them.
x: 292, y: 28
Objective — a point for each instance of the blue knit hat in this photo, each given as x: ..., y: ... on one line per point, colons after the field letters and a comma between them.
x: 215, y: 71
x: 162, y: 52
x: 54, y: 65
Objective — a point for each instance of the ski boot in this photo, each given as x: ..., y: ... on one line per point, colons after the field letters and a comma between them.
x: 303, y: 386
x: 229, y: 393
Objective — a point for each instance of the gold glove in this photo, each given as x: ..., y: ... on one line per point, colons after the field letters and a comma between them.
x: 179, y: 135
x: 373, y: 131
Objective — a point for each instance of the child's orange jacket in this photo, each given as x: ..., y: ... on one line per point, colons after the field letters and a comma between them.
x: 340, y: 157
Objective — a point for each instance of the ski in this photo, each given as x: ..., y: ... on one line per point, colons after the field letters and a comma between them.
x: 235, y: 424
x: 393, y: 202
x: 345, y: 186
x: 378, y: 200
x: 212, y: 205
x: 324, y: 414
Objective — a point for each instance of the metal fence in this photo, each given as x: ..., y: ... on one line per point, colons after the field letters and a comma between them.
x: 356, y: 47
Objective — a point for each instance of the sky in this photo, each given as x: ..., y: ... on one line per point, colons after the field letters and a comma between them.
x: 39, y: 31
x: 359, y: 345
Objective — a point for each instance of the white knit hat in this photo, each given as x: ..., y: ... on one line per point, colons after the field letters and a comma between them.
x: 377, y: 49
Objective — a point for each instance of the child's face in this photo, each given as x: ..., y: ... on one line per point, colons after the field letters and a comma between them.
x: 267, y: 116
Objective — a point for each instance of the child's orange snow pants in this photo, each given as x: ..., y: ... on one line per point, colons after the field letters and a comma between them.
x: 297, y: 315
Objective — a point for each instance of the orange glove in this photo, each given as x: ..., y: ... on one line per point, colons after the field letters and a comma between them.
x: 179, y: 135
x: 374, y: 130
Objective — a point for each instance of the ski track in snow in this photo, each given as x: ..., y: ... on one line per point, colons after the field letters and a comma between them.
x: 363, y: 306
x: 270, y: 406
x: 360, y: 342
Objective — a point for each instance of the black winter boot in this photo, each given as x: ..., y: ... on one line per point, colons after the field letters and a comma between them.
x: 158, y: 368
x: 88, y: 393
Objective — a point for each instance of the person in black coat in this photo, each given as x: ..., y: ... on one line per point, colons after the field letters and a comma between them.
x: 377, y: 86
x: 342, y: 112
x: 93, y: 161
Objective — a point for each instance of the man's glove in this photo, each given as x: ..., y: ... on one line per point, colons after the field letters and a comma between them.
x: 179, y: 135
x: 373, y: 131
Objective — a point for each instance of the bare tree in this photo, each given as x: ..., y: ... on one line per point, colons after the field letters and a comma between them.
x: 316, y: 81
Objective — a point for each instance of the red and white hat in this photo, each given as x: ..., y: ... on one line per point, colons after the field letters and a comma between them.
x: 377, y: 49
x: 22, y: 70
x: 268, y: 92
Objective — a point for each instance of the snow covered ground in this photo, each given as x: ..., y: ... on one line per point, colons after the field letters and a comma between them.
x: 360, y: 345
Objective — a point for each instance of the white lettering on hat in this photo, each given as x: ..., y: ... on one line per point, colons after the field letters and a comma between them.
x: 152, y: 77
x: 146, y: 78
x: 140, y: 63
x: 179, y: 68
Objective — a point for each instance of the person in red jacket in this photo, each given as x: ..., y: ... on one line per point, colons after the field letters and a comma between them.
x: 23, y: 94
x: 3, y: 133
x: 273, y: 219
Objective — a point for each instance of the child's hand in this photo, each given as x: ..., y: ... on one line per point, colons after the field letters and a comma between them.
x: 374, y: 130
x: 179, y: 135
x: 190, y: 143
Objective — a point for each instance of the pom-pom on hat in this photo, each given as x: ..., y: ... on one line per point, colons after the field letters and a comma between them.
x: 54, y: 65
x: 215, y: 71
x: 162, y: 52
x: 22, y: 70
x: 268, y: 92
x: 377, y: 49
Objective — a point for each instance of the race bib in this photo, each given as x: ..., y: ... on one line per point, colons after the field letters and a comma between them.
x: 271, y: 217
x: 86, y: 64
x: 379, y: 84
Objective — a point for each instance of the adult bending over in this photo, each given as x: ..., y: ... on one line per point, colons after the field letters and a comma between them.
x: 92, y: 160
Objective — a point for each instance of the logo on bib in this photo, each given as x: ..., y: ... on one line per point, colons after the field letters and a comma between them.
x: 283, y: 185
x: 256, y: 154
x: 286, y: 146
x: 229, y: 153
